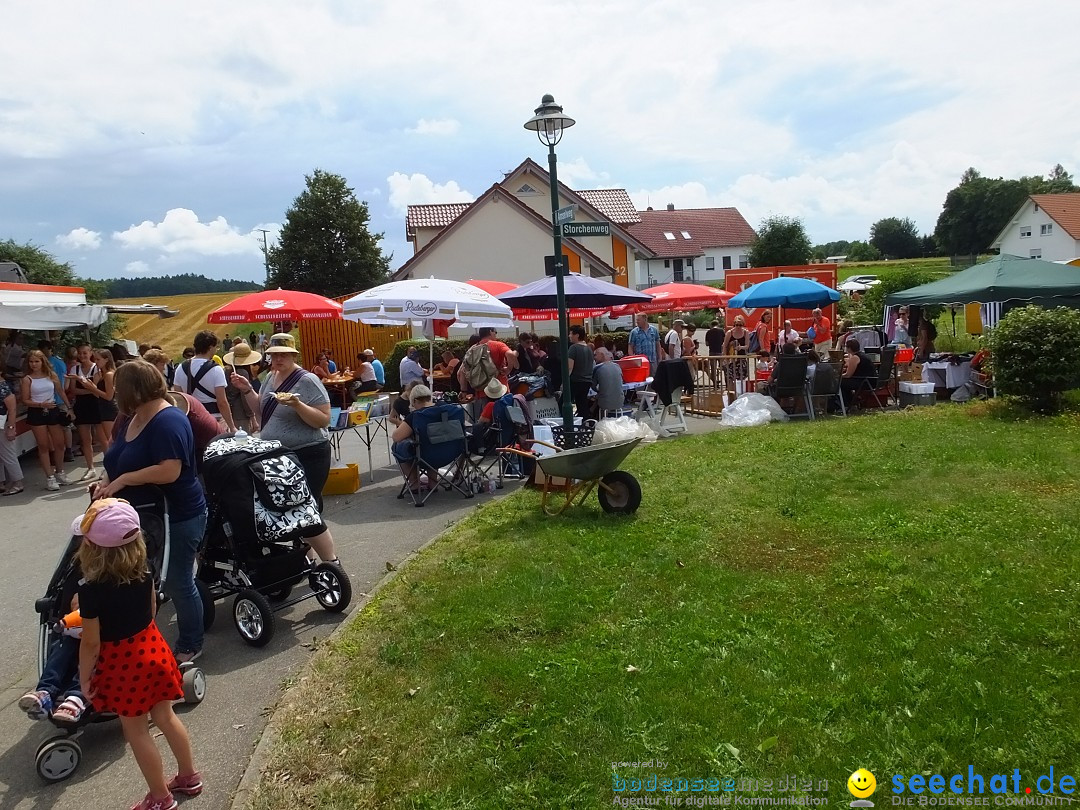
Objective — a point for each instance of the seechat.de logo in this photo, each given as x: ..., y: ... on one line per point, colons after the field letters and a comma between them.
x: 862, y: 785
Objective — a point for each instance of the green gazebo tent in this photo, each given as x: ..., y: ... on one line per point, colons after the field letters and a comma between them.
x: 997, y: 280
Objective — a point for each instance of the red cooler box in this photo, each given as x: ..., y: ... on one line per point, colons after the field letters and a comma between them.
x: 635, y: 368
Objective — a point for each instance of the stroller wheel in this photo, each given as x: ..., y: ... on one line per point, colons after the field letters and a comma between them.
x: 254, y: 618
x: 332, y: 587
x: 194, y: 683
x: 57, y: 759
x: 209, y: 612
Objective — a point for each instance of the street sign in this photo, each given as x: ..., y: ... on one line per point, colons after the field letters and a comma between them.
x: 586, y: 229
x: 565, y: 214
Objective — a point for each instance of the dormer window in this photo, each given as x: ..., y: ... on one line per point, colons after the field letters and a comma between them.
x: 527, y: 189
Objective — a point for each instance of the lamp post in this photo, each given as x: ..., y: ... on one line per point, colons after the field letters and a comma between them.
x: 548, y: 122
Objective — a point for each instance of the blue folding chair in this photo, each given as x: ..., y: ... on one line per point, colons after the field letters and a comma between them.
x: 442, y: 453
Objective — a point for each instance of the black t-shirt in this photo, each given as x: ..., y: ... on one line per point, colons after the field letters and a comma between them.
x: 582, y: 355
x: 401, y: 407
x: 122, y: 610
x: 714, y: 339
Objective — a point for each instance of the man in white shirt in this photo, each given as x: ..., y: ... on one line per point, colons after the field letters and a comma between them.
x: 410, y: 369
x: 673, y: 341
x: 205, y: 382
x: 788, y: 335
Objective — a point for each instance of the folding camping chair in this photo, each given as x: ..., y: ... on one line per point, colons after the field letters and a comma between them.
x: 442, y: 453
x: 790, y: 381
x: 876, y: 392
x: 510, y: 428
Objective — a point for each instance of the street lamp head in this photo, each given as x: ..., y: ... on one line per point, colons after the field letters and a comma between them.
x: 548, y: 122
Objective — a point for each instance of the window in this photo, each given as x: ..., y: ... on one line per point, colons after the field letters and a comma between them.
x: 1046, y: 230
x: 669, y: 236
x: 1025, y: 231
x: 1036, y: 253
x: 667, y: 262
x: 685, y: 234
x: 726, y: 262
x: 527, y: 189
x: 710, y: 263
x: 744, y: 262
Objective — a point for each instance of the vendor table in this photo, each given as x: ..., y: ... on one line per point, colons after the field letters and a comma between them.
x: 944, y: 374
x: 367, y: 432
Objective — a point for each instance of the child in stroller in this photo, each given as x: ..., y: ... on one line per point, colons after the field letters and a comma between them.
x: 58, y: 696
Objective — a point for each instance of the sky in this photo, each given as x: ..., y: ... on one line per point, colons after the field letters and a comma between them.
x: 151, y: 139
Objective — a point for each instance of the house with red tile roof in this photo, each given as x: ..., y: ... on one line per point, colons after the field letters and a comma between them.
x: 692, y: 244
x: 505, y: 234
x: 1047, y: 226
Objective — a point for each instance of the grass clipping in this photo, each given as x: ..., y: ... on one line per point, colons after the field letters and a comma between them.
x: 893, y: 591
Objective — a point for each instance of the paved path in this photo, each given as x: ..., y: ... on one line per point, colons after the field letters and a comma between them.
x: 370, y: 528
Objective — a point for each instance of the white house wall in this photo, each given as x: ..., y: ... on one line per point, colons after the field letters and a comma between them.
x: 650, y: 272
x: 1055, y: 246
x: 494, y: 244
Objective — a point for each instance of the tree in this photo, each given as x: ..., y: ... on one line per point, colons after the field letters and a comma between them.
x: 780, y: 240
x: 838, y: 248
x: 862, y: 252
x: 325, y: 246
x: 41, y: 266
x: 896, y: 238
x: 977, y: 210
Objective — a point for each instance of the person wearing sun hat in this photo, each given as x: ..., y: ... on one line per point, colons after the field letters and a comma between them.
x: 294, y: 409
x: 119, y: 637
x: 242, y: 359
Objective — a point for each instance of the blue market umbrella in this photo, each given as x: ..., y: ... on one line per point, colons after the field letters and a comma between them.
x: 581, y: 292
x: 791, y: 292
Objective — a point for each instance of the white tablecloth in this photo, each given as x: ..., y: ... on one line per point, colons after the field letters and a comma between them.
x: 947, y: 375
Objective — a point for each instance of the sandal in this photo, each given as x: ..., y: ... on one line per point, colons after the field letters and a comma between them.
x: 70, y: 711
x: 15, y: 490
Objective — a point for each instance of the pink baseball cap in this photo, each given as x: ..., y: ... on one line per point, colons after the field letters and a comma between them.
x: 109, y: 523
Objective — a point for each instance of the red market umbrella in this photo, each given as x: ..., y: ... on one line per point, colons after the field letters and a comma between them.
x: 493, y: 287
x: 677, y: 295
x: 276, y: 305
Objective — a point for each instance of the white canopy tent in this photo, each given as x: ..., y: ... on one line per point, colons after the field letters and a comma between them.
x: 50, y: 317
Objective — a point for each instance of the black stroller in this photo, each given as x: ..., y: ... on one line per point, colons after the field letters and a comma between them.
x: 260, y: 510
x: 58, y: 757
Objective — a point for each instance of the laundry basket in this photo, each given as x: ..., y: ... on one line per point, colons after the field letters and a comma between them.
x: 580, y: 436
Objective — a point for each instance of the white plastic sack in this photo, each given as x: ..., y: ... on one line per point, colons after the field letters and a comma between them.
x: 751, y: 410
x: 614, y: 430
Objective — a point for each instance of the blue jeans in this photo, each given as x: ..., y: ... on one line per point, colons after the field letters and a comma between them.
x: 185, y: 537
x: 60, y: 677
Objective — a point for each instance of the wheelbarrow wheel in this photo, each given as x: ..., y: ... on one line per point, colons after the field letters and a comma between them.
x: 619, y: 492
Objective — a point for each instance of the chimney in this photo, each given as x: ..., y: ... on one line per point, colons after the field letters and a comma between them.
x: 649, y: 208
x: 671, y: 206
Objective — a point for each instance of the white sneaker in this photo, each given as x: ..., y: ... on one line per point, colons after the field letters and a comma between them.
x: 63, y: 479
x: 88, y: 476
x: 51, y: 485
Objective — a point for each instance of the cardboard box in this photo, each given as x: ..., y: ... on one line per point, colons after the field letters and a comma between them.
x: 358, y: 416
x: 343, y: 480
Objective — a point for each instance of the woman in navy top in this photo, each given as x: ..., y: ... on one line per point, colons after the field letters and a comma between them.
x: 157, y: 448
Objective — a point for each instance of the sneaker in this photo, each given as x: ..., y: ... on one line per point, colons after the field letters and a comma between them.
x: 36, y: 704
x: 88, y: 476
x: 187, y: 656
x: 190, y: 785
x: 51, y: 484
x: 63, y: 479
x: 150, y: 803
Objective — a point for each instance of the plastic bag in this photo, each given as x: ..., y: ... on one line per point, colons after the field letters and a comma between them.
x: 751, y: 410
x: 615, y: 430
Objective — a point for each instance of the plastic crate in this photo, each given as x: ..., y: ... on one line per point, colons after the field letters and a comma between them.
x: 917, y: 400
x: 342, y: 480
x: 580, y: 436
x: 635, y: 368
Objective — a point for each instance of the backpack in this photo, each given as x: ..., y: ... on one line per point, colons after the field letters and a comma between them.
x: 479, y: 367
x: 753, y: 346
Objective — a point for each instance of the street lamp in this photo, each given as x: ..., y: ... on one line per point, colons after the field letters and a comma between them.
x: 548, y: 122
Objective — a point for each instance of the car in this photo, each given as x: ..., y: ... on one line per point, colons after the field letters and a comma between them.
x: 869, y: 281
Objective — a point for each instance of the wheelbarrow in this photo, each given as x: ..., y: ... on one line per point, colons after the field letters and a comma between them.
x: 587, y: 468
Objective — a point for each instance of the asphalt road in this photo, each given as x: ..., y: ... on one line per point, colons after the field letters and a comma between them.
x: 371, y: 528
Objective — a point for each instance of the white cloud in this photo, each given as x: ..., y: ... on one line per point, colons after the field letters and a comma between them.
x: 418, y: 189
x: 439, y: 126
x: 80, y: 239
x: 181, y: 232
x: 136, y: 268
x: 578, y: 174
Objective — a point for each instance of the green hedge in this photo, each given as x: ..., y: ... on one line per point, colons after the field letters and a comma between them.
x: 1034, y: 356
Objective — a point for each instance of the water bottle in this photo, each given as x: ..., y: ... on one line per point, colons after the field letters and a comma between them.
x: 491, y: 485
x: 241, y: 437
x: 423, y: 481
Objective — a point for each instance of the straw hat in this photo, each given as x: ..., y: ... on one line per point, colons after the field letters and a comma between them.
x: 179, y: 400
x: 242, y: 355
x: 494, y: 389
x: 282, y: 342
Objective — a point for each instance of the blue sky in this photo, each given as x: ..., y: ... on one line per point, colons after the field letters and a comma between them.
x: 141, y: 138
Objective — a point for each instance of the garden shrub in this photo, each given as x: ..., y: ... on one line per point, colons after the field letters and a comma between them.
x: 1035, y: 356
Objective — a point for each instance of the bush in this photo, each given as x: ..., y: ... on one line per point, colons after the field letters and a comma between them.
x: 393, y: 363
x: 1035, y: 356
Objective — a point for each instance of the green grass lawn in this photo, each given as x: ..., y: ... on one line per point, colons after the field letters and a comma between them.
x: 894, y: 591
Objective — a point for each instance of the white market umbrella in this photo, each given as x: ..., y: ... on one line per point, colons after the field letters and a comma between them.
x: 421, y: 302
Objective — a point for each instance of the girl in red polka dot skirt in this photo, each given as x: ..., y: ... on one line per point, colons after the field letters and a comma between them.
x: 125, y: 666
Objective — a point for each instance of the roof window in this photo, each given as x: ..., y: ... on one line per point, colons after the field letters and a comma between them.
x: 685, y: 234
x: 669, y: 236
